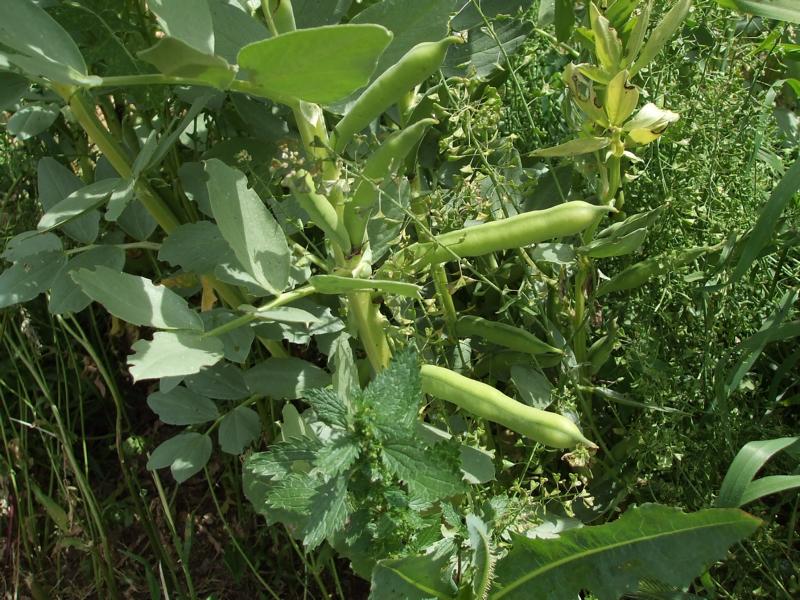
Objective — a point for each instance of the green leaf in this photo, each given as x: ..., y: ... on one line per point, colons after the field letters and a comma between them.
x: 186, y: 20
x: 574, y: 147
x: 238, y: 429
x: 650, y: 541
x: 78, y: 203
x: 65, y: 295
x: 177, y: 59
x: 285, y: 378
x: 284, y: 457
x: 739, y: 487
x: 185, y: 454
x: 330, y: 407
x: 32, y: 120
x: 30, y: 31
x: 181, y: 406
x: 328, y: 512
x: 252, y: 232
x: 173, y: 353
x: 410, y: 21
x: 223, y: 381
x: 533, y: 387
x: 661, y: 34
x: 564, y: 19
x: 12, y: 88
x: 395, y: 395
x: 411, y: 578
x: 768, y: 219
x: 782, y: 10
x: 56, y: 182
x: 29, y: 243
x: 196, y: 247
x: 429, y: 472
x: 29, y: 277
x: 295, y: 493
x: 233, y: 28
x: 607, y: 45
x: 616, y: 246
x: 482, y: 557
x: 337, y: 456
x: 345, y: 373
x: 137, y: 300
x: 477, y: 465
x: 318, y: 65
x: 236, y: 343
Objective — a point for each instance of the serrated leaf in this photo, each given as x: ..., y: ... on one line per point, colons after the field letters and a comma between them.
x: 181, y: 406
x: 295, y: 493
x: 395, y: 394
x: 29, y: 277
x: 137, y: 300
x: 331, y: 407
x: 56, y: 182
x: 411, y: 578
x: 252, y: 232
x: 196, y: 247
x: 477, y: 465
x: 223, y: 381
x: 328, y: 512
x: 320, y: 65
x: 285, y: 378
x: 238, y: 429
x: 185, y: 454
x: 173, y: 353
x: 338, y: 455
x: 482, y: 557
x: 292, y: 455
x: 430, y: 473
x: 65, y: 295
x: 650, y: 541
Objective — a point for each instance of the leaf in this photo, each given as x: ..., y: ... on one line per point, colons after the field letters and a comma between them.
x: 739, y: 487
x: 484, y: 54
x: 234, y: 28
x: 186, y: 20
x: 337, y: 455
x: 173, y: 353
x: 284, y: 457
x: 616, y: 246
x: 427, y: 471
x: 477, y: 465
x: 295, y: 493
x: 768, y: 220
x: 223, y: 381
x: 574, y: 147
x: 137, y: 300
x: 30, y: 31
x: 651, y: 541
x: 252, y: 232
x: 29, y: 277
x: 661, y: 34
x: 238, y: 429
x: 78, y: 203
x: 607, y: 45
x: 411, y: 578
x: 395, y: 395
x: 56, y: 182
x: 28, y: 243
x: 533, y: 387
x: 482, y: 557
x: 30, y: 121
x: 65, y: 295
x: 564, y: 19
x: 196, y: 247
x: 236, y: 343
x: 328, y: 512
x: 320, y: 65
x: 185, y: 454
x: 782, y: 10
x: 12, y: 88
x: 181, y: 406
x: 285, y: 377
x: 175, y: 58
x: 331, y: 407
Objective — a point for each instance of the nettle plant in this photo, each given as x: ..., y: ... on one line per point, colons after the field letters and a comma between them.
x: 276, y: 172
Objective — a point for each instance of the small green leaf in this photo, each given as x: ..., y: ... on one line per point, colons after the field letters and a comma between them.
x: 616, y: 246
x: 337, y: 455
x: 56, y: 182
x: 29, y: 243
x: 740, y: 487
x: 533, y: 387
x: 137, y: 300
x: 236, y: 343
x: 482, y: 557
x: 329, y: 406
x: 181, y: 406
x: 32, y: 120
x: 607, y: 46
x: 173, y: 353
x: 177, y: 59
x: 295, y: 493
x: 29, y: 277
x: 234, y: 28
x: 320, y: 65
x: 65, y: 295
x: 395, y: 395
x: 186, y: 20
x: 238, y: 429
x: 429, y: 472
x: 574, y: 147
x: 252, y: 232
x: 78, y: 203
x: 328, y: 512
x: 223, y: 381
x: 412, y: 578
x: 185, y: 454
x: 661, y: 34
x: 285, y: 377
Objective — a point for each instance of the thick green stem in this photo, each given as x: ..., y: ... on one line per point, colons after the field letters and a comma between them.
x: 370, y: 329
x: 439, y: 277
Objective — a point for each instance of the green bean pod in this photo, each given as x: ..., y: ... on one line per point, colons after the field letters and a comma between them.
x: 504, y: 335
x: 638, y: 274
x: 599, y: 352
x: 488, y: 403
x: 383, y: 162
x: 419, y: 63
x: 514, y: 232
x: 320, y: 210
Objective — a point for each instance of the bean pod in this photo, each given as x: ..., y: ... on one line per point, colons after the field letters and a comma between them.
x: 416, y: 65
x: 488, y: 403
x: 514, y: 232
x: 638, y: 274
x: 321, y: 211
x: 504, y: 335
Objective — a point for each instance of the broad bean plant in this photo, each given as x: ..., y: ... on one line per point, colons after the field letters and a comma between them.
x: 262, y: 192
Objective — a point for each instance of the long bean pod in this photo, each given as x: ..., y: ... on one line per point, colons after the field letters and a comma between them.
x: 504, y: 335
